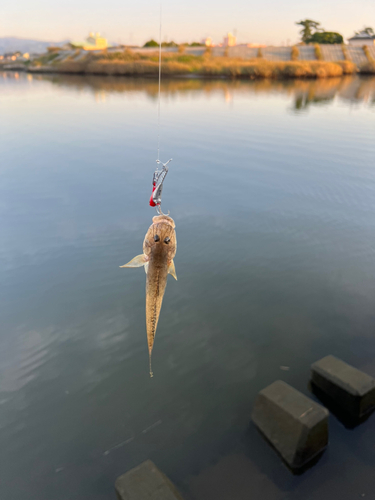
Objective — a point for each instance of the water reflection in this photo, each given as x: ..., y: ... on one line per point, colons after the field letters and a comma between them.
x: 276, y: 229
x: 305, y: 93
x: 355, y: 89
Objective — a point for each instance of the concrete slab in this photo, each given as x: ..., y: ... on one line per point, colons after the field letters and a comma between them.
x: 351, y: 389
x: 145, y: 482
x: 293, y: 423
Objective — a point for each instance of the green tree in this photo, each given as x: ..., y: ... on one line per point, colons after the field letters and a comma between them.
x: 368, y: 31
x: 151, y: 43
x: 326, y: 37
x: 308, y: 26
x: 169, y: 44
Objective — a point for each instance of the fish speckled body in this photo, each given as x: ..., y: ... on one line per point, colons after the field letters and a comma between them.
x: 159, y: 249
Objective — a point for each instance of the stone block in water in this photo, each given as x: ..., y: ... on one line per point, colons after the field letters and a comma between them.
x: 294, y: 424
x: 145, y: 482
x: 349, y: 388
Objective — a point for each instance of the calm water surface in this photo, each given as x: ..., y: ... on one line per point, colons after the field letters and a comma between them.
x: 272, y: 188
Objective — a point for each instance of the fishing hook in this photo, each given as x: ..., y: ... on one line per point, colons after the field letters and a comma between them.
x: 160, y: 212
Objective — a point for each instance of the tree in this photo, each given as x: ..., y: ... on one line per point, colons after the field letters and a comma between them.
x: 169, y: 44
x: 326, y: 37
x: 368, y: 31
x: 307, y: 28
x: 151, y: 43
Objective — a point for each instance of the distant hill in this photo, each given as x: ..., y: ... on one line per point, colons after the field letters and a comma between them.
x: 12, y: 44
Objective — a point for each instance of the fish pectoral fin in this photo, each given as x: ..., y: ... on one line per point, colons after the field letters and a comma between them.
x: 146, y: 267
x: 172, y: 270
x: 138, y: 261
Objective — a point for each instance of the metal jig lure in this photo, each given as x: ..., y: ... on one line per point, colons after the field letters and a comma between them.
x: 157, y: 186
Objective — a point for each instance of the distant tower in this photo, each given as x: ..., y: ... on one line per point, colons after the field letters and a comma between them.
x: 229, y: 40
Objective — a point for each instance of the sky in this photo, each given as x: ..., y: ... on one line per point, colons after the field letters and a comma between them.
x: 134, y: 22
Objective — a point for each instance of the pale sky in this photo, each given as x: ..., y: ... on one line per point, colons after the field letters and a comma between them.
x: 262, y: 21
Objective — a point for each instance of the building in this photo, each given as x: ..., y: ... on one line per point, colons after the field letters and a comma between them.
x: 93, y: 42
x: 207, y: 42
x: 362, y: 38
x: 15, y: 56
x: 229, y: 40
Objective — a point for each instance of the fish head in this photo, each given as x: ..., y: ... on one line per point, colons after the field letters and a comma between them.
x: 160, y: 239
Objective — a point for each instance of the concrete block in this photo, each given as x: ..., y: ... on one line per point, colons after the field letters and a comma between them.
x: 145, y: 482
x: 293, y: 423
x: 351, y: 389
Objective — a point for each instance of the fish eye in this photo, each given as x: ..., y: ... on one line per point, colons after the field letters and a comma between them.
x: 156, y: 237
x: 167, y: 240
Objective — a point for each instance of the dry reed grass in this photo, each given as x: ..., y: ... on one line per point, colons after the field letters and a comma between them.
x: 295, y: 53
x: 130, y: 68
x: 272, y: 69
x: 208, y: 52
x: 345, y: 52
x: 318, y: 52
x: 348, y: 67
x: 368, y: 68
x: 366, y: 50
x: 139, y: 64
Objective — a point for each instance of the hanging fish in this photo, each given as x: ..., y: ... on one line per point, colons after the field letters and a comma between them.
x: 159, y: 249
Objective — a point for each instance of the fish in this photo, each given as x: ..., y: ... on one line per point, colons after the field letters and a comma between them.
x: 159, y: 250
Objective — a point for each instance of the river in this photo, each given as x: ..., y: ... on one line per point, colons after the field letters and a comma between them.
x: 272, y: 189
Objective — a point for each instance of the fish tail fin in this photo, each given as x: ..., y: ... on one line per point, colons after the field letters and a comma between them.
x: 149, y: 360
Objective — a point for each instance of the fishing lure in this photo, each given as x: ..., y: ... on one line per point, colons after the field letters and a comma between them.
x: 157, y: 185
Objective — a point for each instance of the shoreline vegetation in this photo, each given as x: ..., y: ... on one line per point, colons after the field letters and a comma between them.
x: 129, y: 63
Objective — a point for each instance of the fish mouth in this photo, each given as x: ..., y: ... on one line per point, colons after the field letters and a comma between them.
x: 163, y: 219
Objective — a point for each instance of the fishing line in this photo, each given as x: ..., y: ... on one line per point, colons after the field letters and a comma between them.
x: 155, y: 290
x: 159, y: 175
x: 159, y: 83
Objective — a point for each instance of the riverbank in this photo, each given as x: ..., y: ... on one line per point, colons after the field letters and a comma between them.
x: 228, y: 68
x: 128, y: 63
x: 207, y: 65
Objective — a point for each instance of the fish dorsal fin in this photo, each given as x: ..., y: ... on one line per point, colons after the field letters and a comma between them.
x: 172, y: 270
x: 138, y: 261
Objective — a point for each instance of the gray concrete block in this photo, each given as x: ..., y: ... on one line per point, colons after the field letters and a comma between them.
x: 145, y: 482
x: 351, y: 389
x: 293, y: 423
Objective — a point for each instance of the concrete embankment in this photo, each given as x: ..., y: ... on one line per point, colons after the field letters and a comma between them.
x: 295, y: 425
x: 145, y: 482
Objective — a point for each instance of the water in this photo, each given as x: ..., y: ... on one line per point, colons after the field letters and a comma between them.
x: 272, y: 188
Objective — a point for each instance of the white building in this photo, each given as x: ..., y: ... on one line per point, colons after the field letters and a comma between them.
x: 229, y: 40
x: 207, y: 42
x: 362, y: 38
